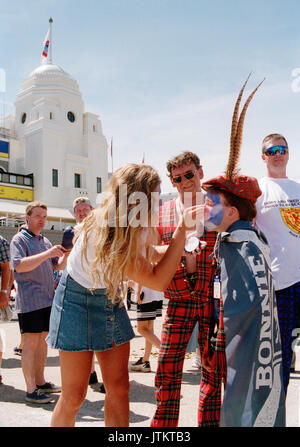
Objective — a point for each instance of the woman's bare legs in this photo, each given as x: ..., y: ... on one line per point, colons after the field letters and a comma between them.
x: 114, y: 370
x: 75, y: 373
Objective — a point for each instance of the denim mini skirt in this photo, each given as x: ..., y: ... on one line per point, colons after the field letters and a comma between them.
x: 85, y: 320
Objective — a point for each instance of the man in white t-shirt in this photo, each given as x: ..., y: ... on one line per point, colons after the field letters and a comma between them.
x: 278, y: 217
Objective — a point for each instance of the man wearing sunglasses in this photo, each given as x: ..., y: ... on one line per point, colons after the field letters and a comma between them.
x: 278, y: 217
x: 190, y: 301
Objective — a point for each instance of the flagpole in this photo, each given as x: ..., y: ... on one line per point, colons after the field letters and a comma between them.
x: 50, y: 49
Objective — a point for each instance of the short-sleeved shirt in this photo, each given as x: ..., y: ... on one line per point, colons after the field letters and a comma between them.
x: 4, y: 251
x: 278, y: 218
x: 35, y: 288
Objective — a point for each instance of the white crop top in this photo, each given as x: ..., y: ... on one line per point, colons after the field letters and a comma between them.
x: 77, y: 266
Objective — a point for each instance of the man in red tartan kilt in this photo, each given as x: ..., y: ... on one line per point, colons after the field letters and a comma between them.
x: 190, y: 296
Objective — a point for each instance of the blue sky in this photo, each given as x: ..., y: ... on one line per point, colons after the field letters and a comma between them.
x: 163, y: 75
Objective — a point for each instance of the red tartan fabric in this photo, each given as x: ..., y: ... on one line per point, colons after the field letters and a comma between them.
x: 186, y: 306
x: 242, y: 186
x: 179, y: 287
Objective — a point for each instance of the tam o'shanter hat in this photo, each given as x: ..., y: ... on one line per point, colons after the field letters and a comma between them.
x: 240, y: 185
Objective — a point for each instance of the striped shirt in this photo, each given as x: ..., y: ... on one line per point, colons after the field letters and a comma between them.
x: 35, y: 288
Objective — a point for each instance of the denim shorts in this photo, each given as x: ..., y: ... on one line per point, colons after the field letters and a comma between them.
x: 85, y: 320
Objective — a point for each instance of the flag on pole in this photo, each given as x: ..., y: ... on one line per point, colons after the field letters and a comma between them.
x: 143, y: 160
x: 46, y: 45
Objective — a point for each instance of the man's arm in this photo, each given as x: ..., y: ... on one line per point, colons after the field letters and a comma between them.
x: 6, y: 273
x: 62, y: 262
x: 12, y: 278
x: 29, y: 263
x: 5, y: 284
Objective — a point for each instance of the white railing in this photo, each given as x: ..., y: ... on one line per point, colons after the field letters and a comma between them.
x: 14, y: 222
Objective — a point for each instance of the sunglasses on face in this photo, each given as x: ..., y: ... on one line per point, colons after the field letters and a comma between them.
x: 188, y: 176
x: 271, y: 151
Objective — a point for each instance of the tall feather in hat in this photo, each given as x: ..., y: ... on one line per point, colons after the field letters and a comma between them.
x: 237, y: 132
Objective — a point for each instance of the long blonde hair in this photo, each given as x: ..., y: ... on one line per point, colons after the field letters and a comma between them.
x: 117, y: 242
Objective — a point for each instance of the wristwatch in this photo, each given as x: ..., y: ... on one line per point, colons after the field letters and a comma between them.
x: 4, y: 290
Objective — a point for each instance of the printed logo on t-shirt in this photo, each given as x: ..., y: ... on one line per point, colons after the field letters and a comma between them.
x: 291, y: 218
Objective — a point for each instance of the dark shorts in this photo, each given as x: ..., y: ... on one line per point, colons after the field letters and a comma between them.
x: 149, y: 311
x: 36, y: 321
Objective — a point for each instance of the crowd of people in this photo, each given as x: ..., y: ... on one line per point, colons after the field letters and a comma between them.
x: 227, y: 261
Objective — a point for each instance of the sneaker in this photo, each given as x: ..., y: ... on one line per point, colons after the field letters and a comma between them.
x: 37, y: 397
x: 141, y: 366
x: 49, y: 387
x: 17, y: 351
x: 93, y: 378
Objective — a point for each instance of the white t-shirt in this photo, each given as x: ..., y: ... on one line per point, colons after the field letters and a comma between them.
x: 77, y: 266
x: 278, y: 217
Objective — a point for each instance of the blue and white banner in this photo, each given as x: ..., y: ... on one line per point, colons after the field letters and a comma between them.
x: 254, y: 394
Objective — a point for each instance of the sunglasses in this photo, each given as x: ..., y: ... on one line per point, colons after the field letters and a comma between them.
x: 271, y: 151
x: 188, y: 176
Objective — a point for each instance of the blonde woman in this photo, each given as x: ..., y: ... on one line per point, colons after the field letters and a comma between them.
x: 88, y: 313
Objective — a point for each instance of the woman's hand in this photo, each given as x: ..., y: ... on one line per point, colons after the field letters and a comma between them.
x: 190, y: 216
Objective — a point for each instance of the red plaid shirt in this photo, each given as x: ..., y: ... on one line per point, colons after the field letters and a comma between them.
x: 179, y: 288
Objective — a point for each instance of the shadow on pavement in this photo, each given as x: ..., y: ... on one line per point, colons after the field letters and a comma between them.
x: 90, y: 411
x: 191, y: 377
x: 15, y: 362
x: 11, y: 363
x: 141, y: 393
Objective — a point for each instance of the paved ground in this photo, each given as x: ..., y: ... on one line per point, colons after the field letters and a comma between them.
x: 14, y: 412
